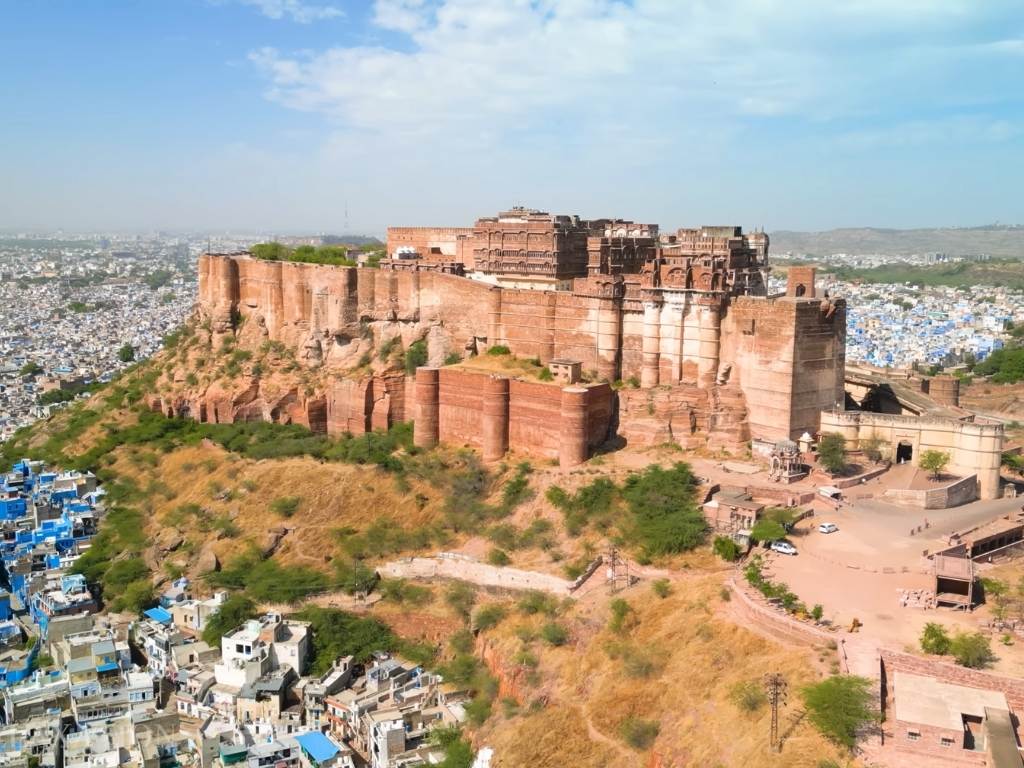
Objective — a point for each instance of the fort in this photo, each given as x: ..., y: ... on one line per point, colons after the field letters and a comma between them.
x: 673, y: 337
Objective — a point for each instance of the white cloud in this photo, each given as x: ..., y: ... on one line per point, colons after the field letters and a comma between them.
x: 296, y: 10
x: 496, y: 63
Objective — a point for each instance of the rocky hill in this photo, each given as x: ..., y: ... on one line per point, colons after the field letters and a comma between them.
x: 660, y: 674
x: 996, y: 241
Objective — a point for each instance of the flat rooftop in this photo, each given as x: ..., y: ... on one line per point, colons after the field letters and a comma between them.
x: 928, y: 701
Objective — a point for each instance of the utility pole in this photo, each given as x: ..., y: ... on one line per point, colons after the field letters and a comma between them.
x: 775, y: 686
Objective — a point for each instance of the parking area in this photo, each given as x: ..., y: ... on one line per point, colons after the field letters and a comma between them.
x: 866, y: 568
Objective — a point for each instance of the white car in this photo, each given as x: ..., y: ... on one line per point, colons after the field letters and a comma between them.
x: 828, y: 528
x: 783, y: 548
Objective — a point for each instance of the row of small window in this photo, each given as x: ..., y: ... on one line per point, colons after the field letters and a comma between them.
x: 945, y: 741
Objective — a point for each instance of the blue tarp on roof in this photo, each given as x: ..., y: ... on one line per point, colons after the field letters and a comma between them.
x: 159, y: 615
x: 109, y: 667
x: 317, y: 746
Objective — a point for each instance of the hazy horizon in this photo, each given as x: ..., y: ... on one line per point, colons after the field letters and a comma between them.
x: 277, y: 115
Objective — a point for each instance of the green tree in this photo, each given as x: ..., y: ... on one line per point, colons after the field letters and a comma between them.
x: 935, y: 462
x: 971, y: 649
x: 233, y: 612
x: 840, y: 706
x: 832, y: 452
x: 31, y: 368
x: 767, y: 530
x: 666, y: 519
x: 999, y: 593
x: 934, y: 639
x: 126, y: 353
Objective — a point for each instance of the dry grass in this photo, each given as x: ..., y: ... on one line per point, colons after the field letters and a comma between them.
x: 332, y: 495
x: 697, y: 657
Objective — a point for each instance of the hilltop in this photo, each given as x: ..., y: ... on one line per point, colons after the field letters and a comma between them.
x: 995, y: 240
x: 292, y: 519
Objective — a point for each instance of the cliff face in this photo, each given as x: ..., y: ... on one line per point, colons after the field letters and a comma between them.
x: 301, y: 344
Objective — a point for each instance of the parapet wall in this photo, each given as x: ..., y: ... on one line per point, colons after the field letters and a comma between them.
x: 952, y: 494
x: 974, y: 449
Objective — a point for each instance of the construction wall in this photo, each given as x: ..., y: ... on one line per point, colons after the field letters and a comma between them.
x: 974, y: 449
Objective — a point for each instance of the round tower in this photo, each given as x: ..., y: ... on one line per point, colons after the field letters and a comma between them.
x: 494, y: 426
x: 573, y: 443
x: 945, y: 390
x: 426, y: 427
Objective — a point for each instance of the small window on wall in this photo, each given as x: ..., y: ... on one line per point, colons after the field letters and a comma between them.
x: 913, y: 735
x: 946, y: 741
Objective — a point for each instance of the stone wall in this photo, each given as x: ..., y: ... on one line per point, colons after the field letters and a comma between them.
x: 952, y: 494
x: 974, y: 449
x: 776, y: 361
x: 495, y: 414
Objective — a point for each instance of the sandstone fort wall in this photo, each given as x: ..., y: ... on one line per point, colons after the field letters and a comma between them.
x: 780, y: 358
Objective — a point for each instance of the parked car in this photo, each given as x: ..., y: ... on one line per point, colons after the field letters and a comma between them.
x: 828, y: 528
x: 783, y: 548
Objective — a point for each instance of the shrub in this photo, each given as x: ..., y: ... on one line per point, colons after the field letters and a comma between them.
x: 726, y: 548
x: 620, y: 610
x: 461, y: 597
x: 488, y: 616
x: 339, y: 633
x: 285, y: 506
x: 639, y: 734
x: 402, y: 591
x: 498, y: 350
x: 544, y: 374
x: 534, y: 602
x: 666, y: 519
x: 554, y: 634
x: 452, y: 358
x: 971, y: 649
x: 934, y: 639
x: 388, y: 347
x: 662, y: 587
x: 839, y: 706
x: 415, y: 356
x: 748, y: 695
x: 498, y: 557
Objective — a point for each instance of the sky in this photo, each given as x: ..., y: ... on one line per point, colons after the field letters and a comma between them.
x: 320, y: 115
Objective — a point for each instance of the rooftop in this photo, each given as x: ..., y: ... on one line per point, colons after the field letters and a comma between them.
x: 928, y: 701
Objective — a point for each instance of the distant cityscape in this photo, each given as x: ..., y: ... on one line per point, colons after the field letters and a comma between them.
x: 72, y: 302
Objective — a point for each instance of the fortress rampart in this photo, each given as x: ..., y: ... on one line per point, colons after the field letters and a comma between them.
x: 973, y: 448
x: 766, y: 366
